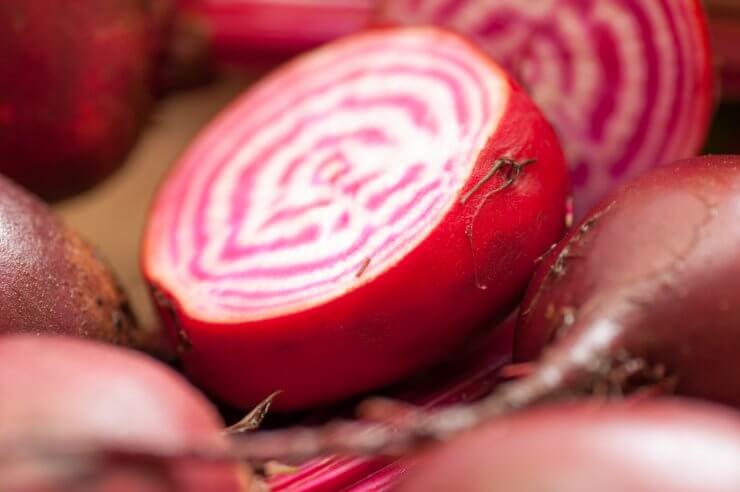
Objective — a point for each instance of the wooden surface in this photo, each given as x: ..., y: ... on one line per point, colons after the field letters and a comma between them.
x: 112, y: 216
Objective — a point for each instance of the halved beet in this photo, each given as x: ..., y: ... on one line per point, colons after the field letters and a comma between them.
x: 54, y: 282
x: 77, y: 415
x: 76, y: 82
x: 627, y: 84
x: 353, y: 218
x: 661, y: 446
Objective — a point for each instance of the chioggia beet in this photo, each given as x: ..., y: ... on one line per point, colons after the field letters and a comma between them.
x: 353, y: 218
x: 54, y: 282
x: 627, y: 84
x: 658, y: 446
x: 76, y: 82
x: 78, y: 415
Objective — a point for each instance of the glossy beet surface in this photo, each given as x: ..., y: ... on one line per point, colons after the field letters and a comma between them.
x: 646, y: 290
x: 353, y: 218
x: 660, y: 446
x: 75, y: 86
x: 63, y: 397
x: 53, y: 281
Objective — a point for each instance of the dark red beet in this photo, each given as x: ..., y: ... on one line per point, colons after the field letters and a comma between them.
x: 77, y: 415
x: 645, y: 291
x: 353, y: 218
x: 76, y: 81
x: 660, y: 446
x: 52, y: 281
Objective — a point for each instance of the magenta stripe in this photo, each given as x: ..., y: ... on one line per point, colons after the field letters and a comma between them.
x: 409, y: 177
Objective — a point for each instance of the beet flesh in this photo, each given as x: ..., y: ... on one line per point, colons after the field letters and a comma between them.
x: 660, y: 446
x: 645, y: 291
x: 67, y: 394
x: 627, y: 84
x: 76, y: 81
x: 54, y: 282
x: 229, y: 265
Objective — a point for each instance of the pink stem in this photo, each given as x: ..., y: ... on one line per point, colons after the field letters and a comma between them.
x: 241, y: 29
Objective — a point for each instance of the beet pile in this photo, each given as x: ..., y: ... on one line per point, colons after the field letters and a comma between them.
x: 392, y: 207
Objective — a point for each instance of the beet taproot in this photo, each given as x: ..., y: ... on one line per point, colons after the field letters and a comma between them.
x: 79, y: 415
x: 658, y: 446
x: 353, y: 218
x: 627, y: 84
x: 53, y: 281
x: 76, y: 84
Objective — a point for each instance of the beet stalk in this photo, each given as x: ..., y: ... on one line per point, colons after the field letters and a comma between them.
x: 471, y: 376
x: 239, y: 30
x: 660, y: 446
x: 627, y: 84
x: 76, y: 415
x: 353, y: 218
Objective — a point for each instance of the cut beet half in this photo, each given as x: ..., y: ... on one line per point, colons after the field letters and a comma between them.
x: 627, y: 84
x: 353, y: 218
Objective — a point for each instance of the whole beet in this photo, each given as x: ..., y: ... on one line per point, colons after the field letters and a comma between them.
x: 78, y: 415
x: 646, y: 291
x: 658, y: 446
x: 76, y: 81
x: 53, y: 281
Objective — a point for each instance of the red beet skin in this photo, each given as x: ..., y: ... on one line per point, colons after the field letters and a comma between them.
x: 627, y: 84
x: 336, y: 230
x: 75, y: 86
x: 661, y: 446
x: 67, y: 395
x: 645, y: 291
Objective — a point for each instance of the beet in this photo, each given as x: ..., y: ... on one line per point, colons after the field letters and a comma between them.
x: 78, y: 415
x: 626, y: 83
x: 661, y: 446
x: 353, y: 218
x: 54, y: 282
x: 644, y: 291
x: 76, y: 84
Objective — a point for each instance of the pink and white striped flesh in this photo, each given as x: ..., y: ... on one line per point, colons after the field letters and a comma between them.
x: 353, y: 218
x: 626, y: 83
